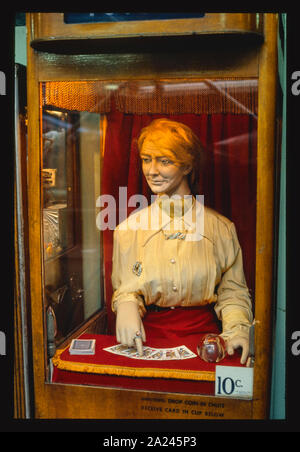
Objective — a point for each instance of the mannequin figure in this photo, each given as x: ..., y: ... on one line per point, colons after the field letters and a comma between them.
x: 163, y: 264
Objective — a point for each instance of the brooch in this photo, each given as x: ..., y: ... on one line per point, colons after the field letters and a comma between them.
x: 176, y: 235
x: 137, y: 268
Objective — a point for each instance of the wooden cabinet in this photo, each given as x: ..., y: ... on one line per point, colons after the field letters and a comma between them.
x: 106, y: 56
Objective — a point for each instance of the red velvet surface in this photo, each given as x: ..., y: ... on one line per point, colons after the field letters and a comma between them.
x: 163, y: 331
x: 143, y: 384
x: 139, y: 383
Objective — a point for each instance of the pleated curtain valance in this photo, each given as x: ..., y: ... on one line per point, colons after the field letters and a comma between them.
x: 77, y: 96
x: 209, y: 96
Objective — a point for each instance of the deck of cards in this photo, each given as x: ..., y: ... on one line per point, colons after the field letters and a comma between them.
x: 150, y: 353
x: 82, y: 347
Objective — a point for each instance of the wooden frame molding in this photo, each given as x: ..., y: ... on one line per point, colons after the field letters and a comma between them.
x: 254, y: 60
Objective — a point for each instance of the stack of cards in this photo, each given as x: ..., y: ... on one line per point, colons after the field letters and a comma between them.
x: 82, y: 347
x: 150, y: 353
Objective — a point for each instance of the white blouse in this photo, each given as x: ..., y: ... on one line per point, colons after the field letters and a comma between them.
x: 188, y: 260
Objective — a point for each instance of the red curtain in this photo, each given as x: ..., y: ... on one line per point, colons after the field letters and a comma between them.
x: 228, y: 180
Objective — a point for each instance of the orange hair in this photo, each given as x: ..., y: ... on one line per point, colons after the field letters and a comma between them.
x: 179, y: 139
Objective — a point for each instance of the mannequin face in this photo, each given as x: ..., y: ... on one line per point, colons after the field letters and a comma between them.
x: 163, y: 174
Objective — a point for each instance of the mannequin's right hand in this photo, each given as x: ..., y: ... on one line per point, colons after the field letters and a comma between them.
x: 128, y: 323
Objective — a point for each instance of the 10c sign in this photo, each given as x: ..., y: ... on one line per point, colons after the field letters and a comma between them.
x: 234, y: 381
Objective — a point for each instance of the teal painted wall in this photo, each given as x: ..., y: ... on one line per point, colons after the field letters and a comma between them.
x: 20, y: 45
x: 277, y: 408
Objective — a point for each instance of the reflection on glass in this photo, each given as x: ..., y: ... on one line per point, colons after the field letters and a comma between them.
x: 70, y: 180
x: 57, y: 234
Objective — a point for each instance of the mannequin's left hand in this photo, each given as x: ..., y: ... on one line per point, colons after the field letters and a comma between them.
x: 238, y: 341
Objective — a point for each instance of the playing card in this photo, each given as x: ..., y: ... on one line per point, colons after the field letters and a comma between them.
x: 185, y: 353
x: 150, y: 353
x: 82, y: 347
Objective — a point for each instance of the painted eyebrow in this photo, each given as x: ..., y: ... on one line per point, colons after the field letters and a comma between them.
x: 157, y: 157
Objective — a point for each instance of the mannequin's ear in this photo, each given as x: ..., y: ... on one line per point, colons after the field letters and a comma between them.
x: 187, y: 169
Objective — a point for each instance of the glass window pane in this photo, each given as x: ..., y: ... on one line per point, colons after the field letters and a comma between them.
x: 71, y: 156
x: 94, y: 172
x: 77, y: 18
